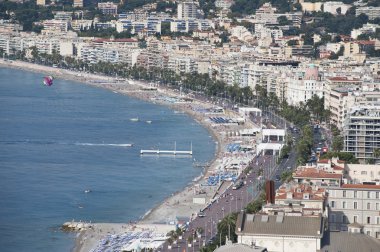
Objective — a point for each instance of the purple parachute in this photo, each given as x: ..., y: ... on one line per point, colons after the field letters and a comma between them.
x: 48, y: 80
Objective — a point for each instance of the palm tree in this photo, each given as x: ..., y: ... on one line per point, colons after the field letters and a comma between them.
x: 227, y: 227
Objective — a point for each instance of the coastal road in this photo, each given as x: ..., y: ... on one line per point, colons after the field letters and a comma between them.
x: 231, y: 201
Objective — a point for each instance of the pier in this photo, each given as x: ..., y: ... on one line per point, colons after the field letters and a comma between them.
x: 168, y: 152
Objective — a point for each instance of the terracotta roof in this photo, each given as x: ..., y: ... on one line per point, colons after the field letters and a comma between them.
x: 336, y: 167
x: 365, y: 42
x: 342, y: 79
x: 314, y: 173
x: 360, y: 186
x: 323, y: 161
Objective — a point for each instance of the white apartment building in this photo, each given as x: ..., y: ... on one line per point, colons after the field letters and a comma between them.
x: 41, y: 2
x: 182, y: 65
x: 355, y: 203
x: 78, y: 3
x: 108, y: 8
x: 367, y: 28
x: 359, y: 173
x: 332, y: 7
x: 338, y: 82
x: 361, y: 131
x: 224, y: 4
x: 187, y: 10
x: 56, y: 25
x: 338, y: 106
x: 266, y: 14
x: 81, y: 24
x: 370, y: 11
x: 63, y: 16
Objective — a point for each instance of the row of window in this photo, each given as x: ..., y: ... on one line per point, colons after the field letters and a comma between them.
x: 333, y: 204
x: 333, y: 219
x: 377, y: 194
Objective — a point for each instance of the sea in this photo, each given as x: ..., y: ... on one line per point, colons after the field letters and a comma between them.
x: 57, y: 142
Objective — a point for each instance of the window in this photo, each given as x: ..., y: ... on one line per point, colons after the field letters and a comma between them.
x: 345, y: 219
x: 377, y: 235
x: 333, y: 218
x: 355, y: 194
x: 377, y: 195
x: 355, y: 205
x: 332, y: 204
x: 364, y: 173
x: 344, y: 204
x: 368, y: 206
x: 355, y: 218
x: 377, y: 220
x: 377, y: 206
x: 344, y: 194
x: 368, y: 195
x: 368, y: 220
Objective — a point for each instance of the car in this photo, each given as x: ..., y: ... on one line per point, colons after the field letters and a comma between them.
x: 201, y: 214
x: 237, y: 185
x: 289, y: 167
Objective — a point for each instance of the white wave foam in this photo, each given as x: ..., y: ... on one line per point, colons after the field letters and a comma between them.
x: 105, y: 144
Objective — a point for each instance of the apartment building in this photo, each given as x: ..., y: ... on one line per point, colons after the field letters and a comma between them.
x: 41, y: 2
x: 78, y: 3
x: 266, y: 14
x: 224, y: 4
x: 182, y: 65
x: 362, y: 173
x: 355, y: 203
x: 187, y: 10
x: 56, y: 25
x: 361, y: 131
x: 370, y: 11
x: 108, y: 8
x: 338, y: 106
x: 332, y: 83
x: 63, y: 16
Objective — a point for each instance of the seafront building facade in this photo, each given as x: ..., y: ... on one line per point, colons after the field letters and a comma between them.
x: 355, y: 203
x: 361, y: 131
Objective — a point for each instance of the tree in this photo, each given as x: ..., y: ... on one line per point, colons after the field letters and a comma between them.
x: 283, y: 20
x: 227, y: 228
x: 286, y: 176
x: 337, y: 143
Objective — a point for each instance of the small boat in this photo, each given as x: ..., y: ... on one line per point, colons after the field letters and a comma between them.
x: 87, y: 191
x: 149, y: 122
x: 134, y: 119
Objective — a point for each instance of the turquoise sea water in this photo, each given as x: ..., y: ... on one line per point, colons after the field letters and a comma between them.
x: 56, y: 142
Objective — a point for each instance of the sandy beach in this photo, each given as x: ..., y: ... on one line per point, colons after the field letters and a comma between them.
x: 177, y: 204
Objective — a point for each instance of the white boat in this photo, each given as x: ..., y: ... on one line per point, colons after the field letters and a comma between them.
x: 148, y: 121
x: 134, y: 119
x: 87, y: 191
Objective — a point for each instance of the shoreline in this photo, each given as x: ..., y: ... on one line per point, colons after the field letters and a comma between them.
x: 83, y: 242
